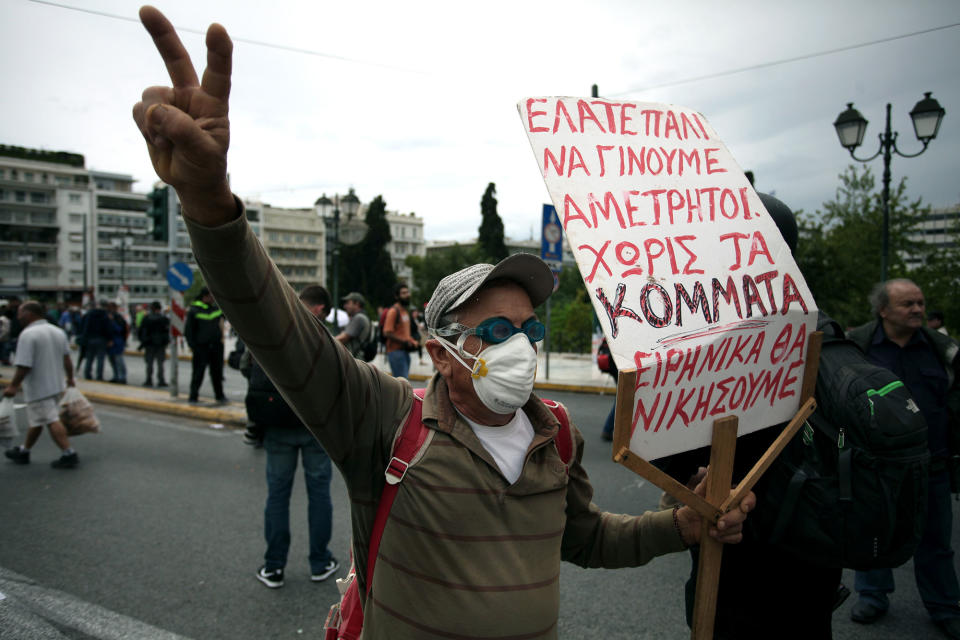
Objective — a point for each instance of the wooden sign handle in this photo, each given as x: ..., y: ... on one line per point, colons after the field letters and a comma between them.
x: 722, y: 450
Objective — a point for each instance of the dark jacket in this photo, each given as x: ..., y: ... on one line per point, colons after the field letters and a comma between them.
x: 154, y: 330
x: 118, y: 334
x: 203, y: 324
x: 96, y: 324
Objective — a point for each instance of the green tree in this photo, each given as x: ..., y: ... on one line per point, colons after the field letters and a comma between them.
x: 366, y: 266
x: 430, y: 269
x: 571, y: 326
x: 938, y: 278
x: 839, y: 250
x: 490, y: 238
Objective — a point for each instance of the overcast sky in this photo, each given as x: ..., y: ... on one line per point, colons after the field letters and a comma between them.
x: 415, y: 101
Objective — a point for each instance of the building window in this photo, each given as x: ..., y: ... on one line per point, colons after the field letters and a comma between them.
x: 76, y: 218
x: 38, y: 198
x: 28, y: 176
x: 21, y: 196
x: 75, y: 198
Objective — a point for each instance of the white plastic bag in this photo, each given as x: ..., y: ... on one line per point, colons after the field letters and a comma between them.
x: 8, y: 419
x: 76, y: 413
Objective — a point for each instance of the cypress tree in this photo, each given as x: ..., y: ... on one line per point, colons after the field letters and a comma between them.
x: 490, y: 235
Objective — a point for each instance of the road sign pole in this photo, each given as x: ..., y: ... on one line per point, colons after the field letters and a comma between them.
x: 546, y: 340
x: 174, y: 367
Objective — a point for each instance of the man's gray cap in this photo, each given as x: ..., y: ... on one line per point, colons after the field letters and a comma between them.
x: 527, y: 270
x: 355, y: 296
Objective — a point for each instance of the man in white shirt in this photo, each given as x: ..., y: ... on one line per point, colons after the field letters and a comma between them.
x: 44, y: 370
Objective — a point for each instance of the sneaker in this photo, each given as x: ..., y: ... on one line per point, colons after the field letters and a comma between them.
x: 273, y: 579
x: 328, y: 570
x: 223, y: 400
x: 18, y: 455
x: 148, y: 384
x: 66, y: 461
x: 866, y: 612
x: 162, y: 383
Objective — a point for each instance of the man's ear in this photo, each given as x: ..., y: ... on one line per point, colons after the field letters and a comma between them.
x: 442, y: 359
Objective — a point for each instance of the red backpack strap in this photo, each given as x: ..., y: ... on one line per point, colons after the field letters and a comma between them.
x: 563, y: 439
x: 413, y: 434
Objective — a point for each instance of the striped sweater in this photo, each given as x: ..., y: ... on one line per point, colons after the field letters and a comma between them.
x: 464, y: 554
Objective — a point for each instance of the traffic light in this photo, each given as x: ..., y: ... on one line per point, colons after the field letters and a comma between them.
x: 158, y: 213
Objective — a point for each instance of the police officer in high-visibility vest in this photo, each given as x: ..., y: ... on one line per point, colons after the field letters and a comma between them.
x: 203, y: 330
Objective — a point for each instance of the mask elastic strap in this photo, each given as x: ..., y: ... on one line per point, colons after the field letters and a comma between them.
x: 478, y: 370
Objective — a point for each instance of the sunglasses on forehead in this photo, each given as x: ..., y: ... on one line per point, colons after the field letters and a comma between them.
x: 496, y: 330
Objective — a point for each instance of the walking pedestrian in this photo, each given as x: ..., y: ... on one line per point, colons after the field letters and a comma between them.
x: 203, y: 330
x: 117, y: 343
x: 154, y: 336
x: 285, y: 439
x: 97, y: 337
x: 359, y: 330
x: 44, y: 371
x: 397, y: 331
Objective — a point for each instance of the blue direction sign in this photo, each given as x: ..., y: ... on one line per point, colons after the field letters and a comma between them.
x: 180, y: 276
x: 551, y: 241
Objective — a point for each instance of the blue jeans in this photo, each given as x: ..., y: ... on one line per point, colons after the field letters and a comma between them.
x: 119, y: 367
x: 399, y: 363
x: 283, y: 446
x: 932, y: 562
x: 608, y: 425
x: 96, y: 349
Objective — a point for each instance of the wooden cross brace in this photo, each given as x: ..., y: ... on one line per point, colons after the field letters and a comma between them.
x: 719, y: 498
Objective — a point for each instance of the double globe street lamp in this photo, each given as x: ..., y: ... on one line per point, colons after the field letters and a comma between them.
x: 851, y: 127
x: 350, y: 204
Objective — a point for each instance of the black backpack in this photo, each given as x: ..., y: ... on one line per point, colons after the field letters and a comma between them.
x: 850, y: 489
x: 370, y: 348
x: 265, y: 406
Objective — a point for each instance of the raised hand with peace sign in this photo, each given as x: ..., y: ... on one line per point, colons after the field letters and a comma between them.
x: 186, y: 126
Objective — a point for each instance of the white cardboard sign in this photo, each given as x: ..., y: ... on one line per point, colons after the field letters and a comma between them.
x: 693, y: 284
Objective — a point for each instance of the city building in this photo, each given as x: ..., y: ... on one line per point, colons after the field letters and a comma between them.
x: 296, y: 241
x: 406, y: 233
x: 46, y: 200
x: 940, y: 228
x: 66, y: 230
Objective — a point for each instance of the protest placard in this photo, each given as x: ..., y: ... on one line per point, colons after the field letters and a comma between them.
x: 693, y: 285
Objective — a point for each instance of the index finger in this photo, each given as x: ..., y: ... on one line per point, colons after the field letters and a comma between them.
x: 174, y: 55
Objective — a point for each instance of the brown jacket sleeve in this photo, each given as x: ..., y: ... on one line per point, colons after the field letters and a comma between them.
x: 352, y: 408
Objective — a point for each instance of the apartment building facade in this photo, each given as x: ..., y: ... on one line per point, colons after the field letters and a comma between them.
x: 296, y: 241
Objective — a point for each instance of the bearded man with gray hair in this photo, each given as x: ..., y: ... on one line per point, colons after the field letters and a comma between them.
x: 480, y: 524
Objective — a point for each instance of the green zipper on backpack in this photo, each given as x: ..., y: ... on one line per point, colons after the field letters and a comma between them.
x: 896, y: 384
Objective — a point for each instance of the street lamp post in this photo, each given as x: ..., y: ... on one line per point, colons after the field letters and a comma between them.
x: 350, y: 204
x: 851, y: 127
x: 25, y: 258
x: 122, y: 243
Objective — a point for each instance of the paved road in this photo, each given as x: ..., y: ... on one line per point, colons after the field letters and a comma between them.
x: 158, y: 533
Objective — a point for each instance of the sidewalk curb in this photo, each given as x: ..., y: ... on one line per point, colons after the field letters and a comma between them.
x: 419, y: 377
x: 208, y: 414
x: 237, y: 418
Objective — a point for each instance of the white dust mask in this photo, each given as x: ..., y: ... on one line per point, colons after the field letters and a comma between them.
x: 503, y: 374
